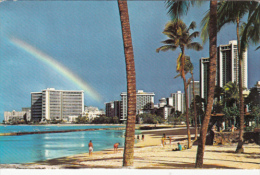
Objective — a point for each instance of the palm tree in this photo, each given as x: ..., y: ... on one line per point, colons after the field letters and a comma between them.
x: 182, y: 8
x: 231, y: 94
x: 128, y: 157
x: 189, y: 68
x: 194, y: 105
x: 250, y: 33
x: 233, y: 11
x: 179, y: 36
x: 211, y: 85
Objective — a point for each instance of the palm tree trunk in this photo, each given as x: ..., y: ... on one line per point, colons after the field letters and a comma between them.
x: 241, y: 104
x: 186, y: 98
x: 194, y: 106
x: 211, y: 85
x: 128, y: 157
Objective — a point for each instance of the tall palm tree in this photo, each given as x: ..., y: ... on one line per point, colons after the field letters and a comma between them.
x: 189, y: 68
x: 250, y: 33
x: 171, y: 5
x: 128, y: 157
x: 233, y: 11
x: 211, y: 85
x: 179, y: 36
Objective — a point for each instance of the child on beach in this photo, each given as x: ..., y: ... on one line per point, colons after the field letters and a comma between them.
x: 90, y: 148
x: 116, y: 147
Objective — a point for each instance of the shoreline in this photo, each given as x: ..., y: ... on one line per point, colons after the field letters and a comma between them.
x: 149, y: 154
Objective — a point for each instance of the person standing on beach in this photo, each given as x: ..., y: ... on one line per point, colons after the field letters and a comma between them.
x: 90, y: 148
x: 170, y: 140
x: 116, y: 147
x: 179, y: 146
x: 163, y: 141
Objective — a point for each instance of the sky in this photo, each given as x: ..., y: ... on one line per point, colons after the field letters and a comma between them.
x: 78, y: 45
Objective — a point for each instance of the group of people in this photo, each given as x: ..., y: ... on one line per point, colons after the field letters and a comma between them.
x: 91, y: 148
x: 142, y: 137
x: 164, y: 138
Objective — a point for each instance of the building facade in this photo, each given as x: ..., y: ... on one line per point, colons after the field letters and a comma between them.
x: 227, y: 68
x: 228, y: 65
x: 92, y: 112
x: 190, y: 91
x: 144, y: 101
x: 178, y: 101
x: 114, y: 109
x: 53, y: 104
x: 11, y: 116
x: 204, y: 67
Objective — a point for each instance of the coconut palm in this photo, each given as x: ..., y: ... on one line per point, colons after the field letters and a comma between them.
x: 211, y: 82
x: 128, y: 157
x: 232, y: 12
x: 189, y: 68
x: 179, y: 36
x: 231, y: 94
x: 182, y: 8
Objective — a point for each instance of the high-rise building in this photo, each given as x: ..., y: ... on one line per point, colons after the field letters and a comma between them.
x: 204, y: 68
x: 227, y: 68
x: 113, y: 109
x: 228, y: 65
x: 178, y: 101
x: 144, y: 100
x: 56, y: 104
x: 190, y: 90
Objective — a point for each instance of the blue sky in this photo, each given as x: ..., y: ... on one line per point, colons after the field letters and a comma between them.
x: 85, y: 37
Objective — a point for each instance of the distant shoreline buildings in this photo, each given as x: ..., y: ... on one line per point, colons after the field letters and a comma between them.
x: 51, y: 104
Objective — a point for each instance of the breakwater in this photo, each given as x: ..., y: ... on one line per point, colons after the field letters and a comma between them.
x: 59, y: 131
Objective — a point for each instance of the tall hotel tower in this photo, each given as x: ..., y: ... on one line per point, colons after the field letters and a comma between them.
x: 56, y: 104
x: 227, y: 68
x: 190, y: 91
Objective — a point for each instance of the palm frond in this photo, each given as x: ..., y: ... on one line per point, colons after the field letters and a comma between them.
x: 195, y: 45
x: 178, y: 61
x: 257, y: 48
x: 168, y: 41
x: 177, y: 8
x: 193, y: 35
x: 166, y: 48
x: 177, y: 76
x: 192, y: 26
x: 204, y: 24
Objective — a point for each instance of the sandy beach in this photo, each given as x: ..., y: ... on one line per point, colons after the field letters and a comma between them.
x: 150, y: 154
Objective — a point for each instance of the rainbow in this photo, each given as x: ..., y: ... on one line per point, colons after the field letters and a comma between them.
x: 56, y: 66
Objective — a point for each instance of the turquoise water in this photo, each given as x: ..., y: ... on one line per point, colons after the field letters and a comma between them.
x: 31, y: 128
x: 38, y: 147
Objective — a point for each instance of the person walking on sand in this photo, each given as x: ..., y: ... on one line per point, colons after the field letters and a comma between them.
x: 142, y: 137
x: 90, y: 148
x: 116, y: 147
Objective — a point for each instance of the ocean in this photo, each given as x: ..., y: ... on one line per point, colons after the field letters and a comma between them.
x: 39, y: 147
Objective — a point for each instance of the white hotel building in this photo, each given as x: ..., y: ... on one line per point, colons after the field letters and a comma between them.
x: 144, y: 100
x: 227, y: 68
x: 56, y: 104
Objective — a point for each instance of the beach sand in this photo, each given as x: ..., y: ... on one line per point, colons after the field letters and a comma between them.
x: 150, y: 154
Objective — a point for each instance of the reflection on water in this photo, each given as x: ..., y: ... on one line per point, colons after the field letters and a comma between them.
x: 38, y: 147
